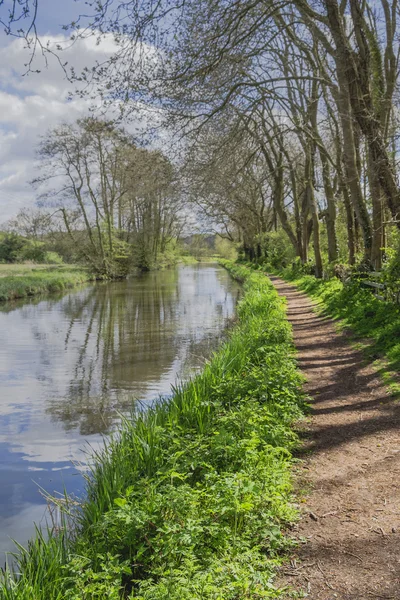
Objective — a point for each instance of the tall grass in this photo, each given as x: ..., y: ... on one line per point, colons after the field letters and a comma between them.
x: 192, y: 498
x: 41, y: 281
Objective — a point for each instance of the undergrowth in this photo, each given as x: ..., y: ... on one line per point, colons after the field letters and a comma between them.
x: 192, y: 498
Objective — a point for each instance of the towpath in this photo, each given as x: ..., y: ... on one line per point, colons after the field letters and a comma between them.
x: 351, y: 470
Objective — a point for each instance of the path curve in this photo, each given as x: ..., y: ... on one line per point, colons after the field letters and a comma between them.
x: 351, y: 515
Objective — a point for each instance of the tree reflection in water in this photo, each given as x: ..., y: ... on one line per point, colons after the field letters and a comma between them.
x: 137, y: 337
x: 70, y: 365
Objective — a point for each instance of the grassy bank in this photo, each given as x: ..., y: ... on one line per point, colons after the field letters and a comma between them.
x: 375, y: 322
x: 22, y: 281
x: 192, y: 499
x: 25, y: 280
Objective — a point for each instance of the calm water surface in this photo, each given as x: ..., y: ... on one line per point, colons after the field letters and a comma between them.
x: 70, y: 365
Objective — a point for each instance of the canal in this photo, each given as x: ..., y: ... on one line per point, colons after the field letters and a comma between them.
x: 71, y: 365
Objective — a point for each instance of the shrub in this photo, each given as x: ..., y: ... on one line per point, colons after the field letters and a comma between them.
x: 32, y: 251
x: 11, y: 245
x: 53, y: 258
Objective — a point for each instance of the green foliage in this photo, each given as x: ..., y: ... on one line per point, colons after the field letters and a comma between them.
x: 53, y: 258
x: 391, y: 266
x: 41, y: 281
x: 141, y: 257
x: 16, y: 249
x: 192, y: 498
x: 366, y: 315
x: 32, y: 251
x: 119, y: 260
x: 89, y: 584
x: 277, y: 250
x: 11, y: 246
x: 225, y: 249
x: 199, y: 245
x: 172, y: 254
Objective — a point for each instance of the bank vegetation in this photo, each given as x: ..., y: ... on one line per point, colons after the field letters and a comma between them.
x: 26, y: 281
x: 193, y: 497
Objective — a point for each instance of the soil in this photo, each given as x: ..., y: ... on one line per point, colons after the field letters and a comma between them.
x: 349, y: 477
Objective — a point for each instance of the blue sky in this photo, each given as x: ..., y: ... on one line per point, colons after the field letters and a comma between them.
x: 55, y: 13
x: 31, y: 104
x: 52, y: 14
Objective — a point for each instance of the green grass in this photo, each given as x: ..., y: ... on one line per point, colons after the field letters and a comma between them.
x: 374, y: 322
x: 22, y: 281
x: 168, y: 260
x: 192, y: 499
x: 27, y: 268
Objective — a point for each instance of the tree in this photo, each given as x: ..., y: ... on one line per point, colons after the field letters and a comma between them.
x: 324, y: 74
x: 230, y: 185
x: 33, y: 223
x: 120, y: 196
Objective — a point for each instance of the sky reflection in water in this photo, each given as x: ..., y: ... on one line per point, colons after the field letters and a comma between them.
x: 70, y: 365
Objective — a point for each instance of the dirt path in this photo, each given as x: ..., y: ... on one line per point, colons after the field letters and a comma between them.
x: 351, y: 449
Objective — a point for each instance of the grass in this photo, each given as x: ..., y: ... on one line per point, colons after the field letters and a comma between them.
x: 374, y: 322
x: 192, y: 499
x: 167, y: 260
x: 22, y: 281
x: 27, y: 268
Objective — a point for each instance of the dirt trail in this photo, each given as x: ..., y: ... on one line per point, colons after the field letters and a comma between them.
x: 351, y: 518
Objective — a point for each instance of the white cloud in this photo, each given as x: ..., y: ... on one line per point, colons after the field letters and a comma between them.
x: 33, y: 103
x: 30, y: 105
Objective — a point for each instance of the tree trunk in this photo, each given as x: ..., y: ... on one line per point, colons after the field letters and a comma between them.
x: 350, y: 224
x: 315, y: 220
x: 356, y: 77
x: 333, y: 251
x: 280, y: 209
x: 351, y: 167
x: 309, y: 177
x: 376, y: 198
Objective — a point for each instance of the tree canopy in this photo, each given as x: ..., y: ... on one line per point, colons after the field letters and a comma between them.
x: 290, y: 111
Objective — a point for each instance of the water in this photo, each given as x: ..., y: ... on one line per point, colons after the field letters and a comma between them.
x: 70, y: 365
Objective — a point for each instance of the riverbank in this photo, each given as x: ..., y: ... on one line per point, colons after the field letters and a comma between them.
x: 23, y: 281
x: 193, y: 498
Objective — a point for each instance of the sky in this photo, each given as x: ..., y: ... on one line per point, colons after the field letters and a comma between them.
x: 32, y: 104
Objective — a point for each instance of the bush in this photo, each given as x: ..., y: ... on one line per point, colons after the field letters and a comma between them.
x: 11, y: 246
x: 32, y: 251
x: 15, y: 249
x: 277, y: 249
x: 53, y: 258
x: 391, y: 266
x: 225, y: 248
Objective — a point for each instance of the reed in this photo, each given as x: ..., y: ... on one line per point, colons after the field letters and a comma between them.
x: 191, y: 499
